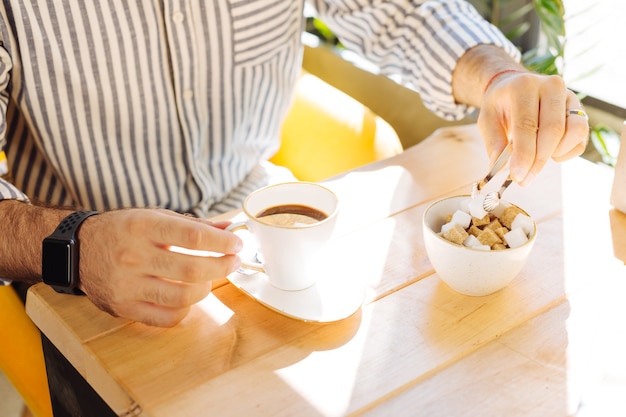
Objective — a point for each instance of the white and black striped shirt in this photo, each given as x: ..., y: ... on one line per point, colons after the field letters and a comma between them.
x: 175, y: 103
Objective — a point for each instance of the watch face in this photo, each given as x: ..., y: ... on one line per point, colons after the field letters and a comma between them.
x: 58, y: 261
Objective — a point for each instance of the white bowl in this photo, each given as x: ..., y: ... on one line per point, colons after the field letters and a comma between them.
x: 470, y: 271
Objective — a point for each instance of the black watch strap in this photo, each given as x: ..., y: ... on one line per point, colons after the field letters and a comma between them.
x: 69, y: 226
x: 62, y: 274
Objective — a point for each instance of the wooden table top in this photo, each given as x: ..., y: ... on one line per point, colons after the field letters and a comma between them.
x: 415, y: 347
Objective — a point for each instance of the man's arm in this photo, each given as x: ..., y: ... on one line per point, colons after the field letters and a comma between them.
x: 24, y: 226
x: 418, y: 42
x: 449, y: 53
x: 126, y: 265
x: 475, y: 70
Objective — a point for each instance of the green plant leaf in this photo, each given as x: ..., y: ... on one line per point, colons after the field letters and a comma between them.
x: 544, y: 63
x: 551, y: 13
x: 606, y: 142
x: 521, y: 13
x: 518, y: 31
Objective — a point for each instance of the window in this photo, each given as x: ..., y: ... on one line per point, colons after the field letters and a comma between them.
x: 595, y: 55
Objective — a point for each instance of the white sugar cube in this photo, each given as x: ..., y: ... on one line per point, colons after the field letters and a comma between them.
x: 465, y: 204
x: 516, y: 237
x: 476, y: 207
x: 461, y: 218
x: 482, y: 247
x: 446, y: 227
x: 499, y: 210
x: 471, y: 241
x: 524, y: 222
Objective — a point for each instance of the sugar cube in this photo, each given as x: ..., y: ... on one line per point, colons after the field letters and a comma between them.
x: 500, y: 208
x: 488, y: 237
x: 476, y: 207
x: 471, y: 241
x: 456, y: 234
x: 524, y: 222
x: 465, y: 204
x: 461, y: 218
x: 516, y: 238
x: 446, y: 227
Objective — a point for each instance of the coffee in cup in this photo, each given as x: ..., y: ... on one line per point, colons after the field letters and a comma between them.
x: 291, y: 215
x: 291, y: 224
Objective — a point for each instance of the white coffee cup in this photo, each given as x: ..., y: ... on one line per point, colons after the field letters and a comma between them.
x: 289, y: 245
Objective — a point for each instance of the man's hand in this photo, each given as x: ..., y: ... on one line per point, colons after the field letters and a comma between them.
x: 128, y: 269
x: 530, y: 110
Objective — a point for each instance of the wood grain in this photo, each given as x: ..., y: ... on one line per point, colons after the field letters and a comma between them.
x: 413, y: 346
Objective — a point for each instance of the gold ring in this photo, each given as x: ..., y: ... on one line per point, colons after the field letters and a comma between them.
x: 578, y: 112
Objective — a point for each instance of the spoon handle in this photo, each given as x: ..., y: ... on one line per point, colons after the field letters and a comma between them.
x: 505, y: 184
x: 497, y: 166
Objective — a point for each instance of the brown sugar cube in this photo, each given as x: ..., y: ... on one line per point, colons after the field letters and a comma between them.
x: 481, y: 222
x: 488, y: 237
x: 498, y: 246
x: 494, y: 225
x: 449, y: 218
x: 455, y: 234
x: 474, y: 230
x: 501, y: 231
x: 509, y: 215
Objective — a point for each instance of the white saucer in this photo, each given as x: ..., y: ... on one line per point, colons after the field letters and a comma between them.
x: 331, y: 298
x: 338, y: 293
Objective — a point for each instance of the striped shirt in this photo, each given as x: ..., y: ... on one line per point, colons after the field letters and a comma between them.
x: 176, y: 103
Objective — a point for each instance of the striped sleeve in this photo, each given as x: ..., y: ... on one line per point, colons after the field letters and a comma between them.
x: 7, y: 190
x: 418, y: 42
x: 10, y: 192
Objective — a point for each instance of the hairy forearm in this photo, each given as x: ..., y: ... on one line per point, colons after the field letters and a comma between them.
x: 474, y: 70
x: 24, y: 226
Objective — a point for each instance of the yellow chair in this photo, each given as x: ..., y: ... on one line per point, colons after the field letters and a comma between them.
x: 21, y: 355
x: 327, y: 132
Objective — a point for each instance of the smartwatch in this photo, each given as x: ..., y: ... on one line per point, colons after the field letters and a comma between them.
x: 59, y: 261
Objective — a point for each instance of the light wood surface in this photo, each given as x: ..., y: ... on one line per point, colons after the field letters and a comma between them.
x: 416, y: 347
